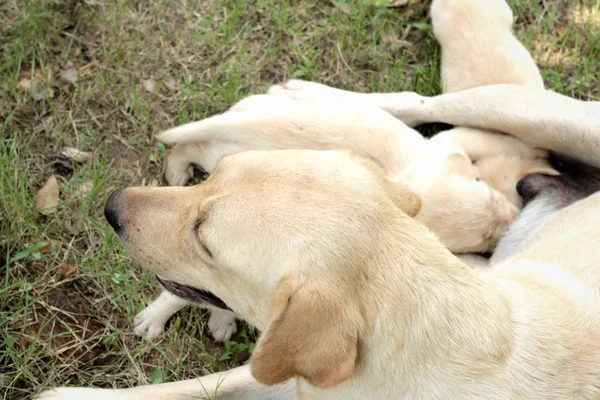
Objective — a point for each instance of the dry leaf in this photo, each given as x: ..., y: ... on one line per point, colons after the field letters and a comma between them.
x: 171, y: 84
x: 40, y: 91
x: 69, y: 75
x: 76, y: 155
x: 149, y: 85
x: 52, y: 245
x: 46, y: 198
x: 67, y: 268
x: 24, y: 84
x: 560, y: 28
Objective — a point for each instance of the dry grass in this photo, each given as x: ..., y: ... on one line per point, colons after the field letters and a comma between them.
x: 66, y: 308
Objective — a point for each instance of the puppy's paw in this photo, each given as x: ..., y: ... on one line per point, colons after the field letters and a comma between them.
x: 149, y: 323
x: 222, y: 325
x: 178, y: 176
x: 78, y: 394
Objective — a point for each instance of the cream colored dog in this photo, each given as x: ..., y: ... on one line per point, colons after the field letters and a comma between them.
x: 356, y: 299
x: 449, y: 187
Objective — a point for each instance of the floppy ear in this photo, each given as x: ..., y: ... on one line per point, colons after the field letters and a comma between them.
x: 404, y: 198
x: 312, y: 338
x: 459, y: 164
x: 539, y: 168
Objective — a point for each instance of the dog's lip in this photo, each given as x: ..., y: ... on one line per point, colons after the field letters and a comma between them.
x: 192, y: 294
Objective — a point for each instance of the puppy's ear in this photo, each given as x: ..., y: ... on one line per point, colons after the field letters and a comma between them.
x: 404, y: 198
x: 457, y: 163
x: 539, y: 167
x: 312, y: 338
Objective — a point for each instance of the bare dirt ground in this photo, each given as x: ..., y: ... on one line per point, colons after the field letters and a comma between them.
x: 105, y: 76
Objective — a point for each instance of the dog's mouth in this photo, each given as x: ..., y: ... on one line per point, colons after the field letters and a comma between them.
x: 192, y: 294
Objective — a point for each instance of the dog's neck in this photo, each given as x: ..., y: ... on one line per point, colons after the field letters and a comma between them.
x: 423, y: 307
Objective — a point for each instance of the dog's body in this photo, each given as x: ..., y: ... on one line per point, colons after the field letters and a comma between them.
x: 446, y: 182
x: 373, y: 306
x: 382, y: 311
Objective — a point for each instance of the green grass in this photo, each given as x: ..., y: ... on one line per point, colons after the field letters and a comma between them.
x: 76, y: 330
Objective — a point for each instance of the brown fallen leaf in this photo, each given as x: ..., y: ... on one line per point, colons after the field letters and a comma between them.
x: 24, y: 84
x: 67, y: 268
x: 69, y: 76
x: 52, y: 245
x: 46, y: 199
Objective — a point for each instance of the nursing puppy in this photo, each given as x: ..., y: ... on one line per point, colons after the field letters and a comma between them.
x: 478, y: 48
x: 449, y: 188
x: 367, y: 306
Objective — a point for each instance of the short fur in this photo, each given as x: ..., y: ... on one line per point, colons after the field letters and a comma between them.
x: 371, y: 306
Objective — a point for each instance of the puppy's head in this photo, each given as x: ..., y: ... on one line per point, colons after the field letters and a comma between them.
x: 283, y: 238
x: 465, y: 212
x: 504, y: 172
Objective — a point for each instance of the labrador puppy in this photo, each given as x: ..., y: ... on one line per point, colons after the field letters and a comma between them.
x: 354, y: 297
x: 447, y: 184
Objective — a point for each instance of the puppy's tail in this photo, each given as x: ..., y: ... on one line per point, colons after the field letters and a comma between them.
x: 218, y: 127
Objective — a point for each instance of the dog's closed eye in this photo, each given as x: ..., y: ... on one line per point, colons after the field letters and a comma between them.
x: 197, y: 225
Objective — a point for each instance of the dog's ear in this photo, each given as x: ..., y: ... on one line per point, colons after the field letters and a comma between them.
x: 457, y: 163
x: 313, y: 338
x: 404, y: 198
x: 539, y: 167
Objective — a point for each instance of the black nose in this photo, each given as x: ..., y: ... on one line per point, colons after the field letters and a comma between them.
x: 112, y: 210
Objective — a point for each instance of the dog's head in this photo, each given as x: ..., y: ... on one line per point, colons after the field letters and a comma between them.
x: 284, y: 239
x: 463, y: 210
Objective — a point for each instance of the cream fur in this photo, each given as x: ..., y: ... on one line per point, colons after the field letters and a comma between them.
x: 447, y: 185
x: 421, y: 323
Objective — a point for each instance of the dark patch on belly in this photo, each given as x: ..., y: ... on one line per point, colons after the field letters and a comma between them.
x: 193, y: 294
x: 577, y: 181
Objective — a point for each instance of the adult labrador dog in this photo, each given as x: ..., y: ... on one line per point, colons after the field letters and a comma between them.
x: 355, y: 298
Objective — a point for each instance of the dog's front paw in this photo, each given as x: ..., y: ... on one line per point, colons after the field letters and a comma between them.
x: 221, y: 325
x: 149, y: 323
x: 78, y: 394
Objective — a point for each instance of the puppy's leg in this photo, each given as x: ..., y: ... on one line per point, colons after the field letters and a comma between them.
x: 235, y: 384
x: 479, y: 144
x: 150, y: 322
x: 179, y: 164
x: 478, y: 46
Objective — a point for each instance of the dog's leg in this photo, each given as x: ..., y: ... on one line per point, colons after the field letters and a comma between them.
x: 479, y: 144
x: 235, y: 384
x: 317, y: 92
x: 221, y: 324
x: 150, y: 322
x: 179, y: 164
x: 478, y: 46
x: 541, y: 118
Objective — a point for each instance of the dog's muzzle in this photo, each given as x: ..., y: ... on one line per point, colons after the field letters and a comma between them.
x: 193, y: 294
